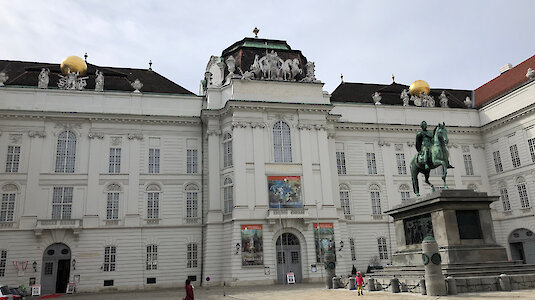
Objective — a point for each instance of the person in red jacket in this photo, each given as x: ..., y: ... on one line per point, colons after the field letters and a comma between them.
x: 189, y: 290
x: 359, y: 281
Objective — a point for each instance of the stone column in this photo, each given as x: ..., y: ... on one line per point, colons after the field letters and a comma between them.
x: 261, y: 198
x: 325, y: 167
x: 239, y: 157
x: 306, y: 160
x: 214, y: 193
x: 94, y: 192
x: 132, y: 215
x: 31, y: 212
x: 434, y: 279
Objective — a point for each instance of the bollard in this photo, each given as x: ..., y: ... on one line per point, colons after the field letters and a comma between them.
x: 451, y: 285
x: 403, y: 287
x: 352, y: 283
x: 334, y: 283
x: 505, y: 282
x: 371, y: 284
x: 378, y: 286
x: 394, y: 285
x: 422, y: 287
x: 435, y: 283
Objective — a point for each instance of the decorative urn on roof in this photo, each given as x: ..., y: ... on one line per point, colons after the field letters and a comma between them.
x: 418, y: 87
x: 74, y: 64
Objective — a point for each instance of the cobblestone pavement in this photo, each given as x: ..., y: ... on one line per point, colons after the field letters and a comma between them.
x: 293, y: 292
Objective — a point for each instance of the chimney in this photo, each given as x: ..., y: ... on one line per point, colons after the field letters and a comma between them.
x: 505, y: 68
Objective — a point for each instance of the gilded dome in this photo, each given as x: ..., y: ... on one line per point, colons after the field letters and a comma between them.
x: 418, y: 87
x: 75, y: 64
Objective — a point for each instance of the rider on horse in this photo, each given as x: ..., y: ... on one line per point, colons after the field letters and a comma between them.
x: 424, y: 141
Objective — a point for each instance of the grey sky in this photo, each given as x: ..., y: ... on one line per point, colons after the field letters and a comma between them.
x: 450, y: 44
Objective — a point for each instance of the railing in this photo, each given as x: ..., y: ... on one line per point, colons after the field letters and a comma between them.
x: 348, y: 217
x: 152, y: 221
x: 6, y: 224
x: 287, y: 213
x: 58, y: 224
x: 377, y: 217
x: 192, y: 220
x: 112, y: 222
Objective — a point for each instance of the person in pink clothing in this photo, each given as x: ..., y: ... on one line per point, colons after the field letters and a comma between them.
x: 359, y: 281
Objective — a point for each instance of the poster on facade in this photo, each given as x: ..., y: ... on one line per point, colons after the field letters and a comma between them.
x: 324, y: 237
x: 284, y: 191
x: 252, y: 245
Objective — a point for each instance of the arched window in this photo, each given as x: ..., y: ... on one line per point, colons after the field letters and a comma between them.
x: 7, y: 207
x: 504, y: 195
x: 404, y: 190
x: 344, y: 199
x: 227, y: 150
x: 383, y: 250
x: 192, y: 201
x: 282, y: 142
x: 228, y: 195
x: 66, y: 152
x: 522, y: 192
x: 153, y: 201
x: 375, y: 196
x: 112, y: 201
x: 152, y: 257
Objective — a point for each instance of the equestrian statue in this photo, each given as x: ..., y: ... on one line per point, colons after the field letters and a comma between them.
x: 432, y: 153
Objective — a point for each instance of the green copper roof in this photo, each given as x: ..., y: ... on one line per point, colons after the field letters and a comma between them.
x: 267, y: 45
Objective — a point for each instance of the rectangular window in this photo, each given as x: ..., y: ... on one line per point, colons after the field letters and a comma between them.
x: 405, y: 195
x: 191, y: 161
x: 295, y: 257
x: 523, y: 194
x: 192, y: 256
x: 109, y: 258
x: 154, y: 161
x: 62, y: 203
x: 191, y: 204
x: 497, y: 161
x: 281, y: 258
x: 531, y: 143
x: 7, y: 207
x: 514, y: 156
x: 228, y: 199
x: 152, y: 257
x: 402, y: 168
x: 153, y: 205
x: 505, y: 199
x: 372, y: 167
x: 468, y: 164
x: 352, y: 248
x: 344, y: 201
x: 112, y: 206
x: 341, y: 163
x: 3, y: 260
x: 13, y: 157
x: 376, y: 202
x: 227, y: 153
x: 49, y: 268
x: 115, y: 160
x: 383, y: 250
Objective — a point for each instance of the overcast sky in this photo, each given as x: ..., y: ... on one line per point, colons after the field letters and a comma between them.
x: 450, y: 44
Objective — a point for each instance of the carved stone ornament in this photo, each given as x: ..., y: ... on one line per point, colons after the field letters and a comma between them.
x: 377, y: 98
x: 39, y: 134
x: 383, y: 143
x: 43, y: 79
x: 114, y: 187
x: 15, y: 138
x: 416, y: 100
x: 331, y: 135
x: 153, y: 187
x: 398, y: 147
x: 310, y: 73
x: 95, y: 135
x: 411, y: 143
x: 465, y: 148
x: 468, y: 102
x: 3, y: 78
x: 135, y: 136
x: 257, y: 125
x: 430, y: 101
x: 137, y: 85
x: 239, y: 124
x: 231, y: 64
x: 213, y: 132
x: 443, y: 99
x: 10, y: 188
x: 529, y: 74
x: 68, y: 126
x: 405, y: 97
x: 479, y: 146
x: 271, y: 65
x: 116, y: 141
x: 71, y: 81
x: 305, y: 126
x: 99, y: 81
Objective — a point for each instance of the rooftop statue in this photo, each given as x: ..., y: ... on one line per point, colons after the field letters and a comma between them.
x: 43, y: 79
x: 432, y: 153
x: 99, y: 81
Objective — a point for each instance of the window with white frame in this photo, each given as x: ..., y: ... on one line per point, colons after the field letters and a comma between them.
x: 383, y: 250
x: 154, y: 160
x: 191, y: 158
x: 110, y: 253
x: 344, y: 199
x: 192, y: 255
x: 497, y: 161
x: 515, y: 159
x: 352, y: 248
x: 375, y: 196
x: 504, y: 195
x: 522, y: 192
x: 153, y: 201
x: 341, y: 162
x: 468, y: 167
x: 7, y: 207
x: 62, y: 203
x: 404, y: 191
x: 227, y: 150
x: 12, y: 160
x: 531, y: 144
x: 228, y: 195
x: 112, y: 202
x: 282, y: 142
x: 192, y: 198
x: 115, y: 160
x: 152, y: 257
x: 66, y: 152
x: 372, y: 166
x: 3, y: 260
x: 400, y: 159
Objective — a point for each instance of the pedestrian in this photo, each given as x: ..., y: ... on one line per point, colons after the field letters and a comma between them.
x: 189, y: 290
x: 359, y: 281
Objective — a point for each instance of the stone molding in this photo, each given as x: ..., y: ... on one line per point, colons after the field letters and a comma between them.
x: 135, y: 136
x: 97, y: 135
x: 15, y: 138
x: 210, y: 132
x: 34, y: 133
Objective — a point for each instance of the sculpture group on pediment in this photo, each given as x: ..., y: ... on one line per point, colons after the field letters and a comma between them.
x: 272, y: 67
x: 310, y: 72
x: 423, y: 100
x: 43, y: 79
x: 405, y: 97
x: 71, y: 81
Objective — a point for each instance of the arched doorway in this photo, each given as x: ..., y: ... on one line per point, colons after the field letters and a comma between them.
x: 522, y: 245
x: 288, y: 257
x: 56, y: 269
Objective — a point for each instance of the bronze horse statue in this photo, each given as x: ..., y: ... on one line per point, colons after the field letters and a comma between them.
x: 438, y: 157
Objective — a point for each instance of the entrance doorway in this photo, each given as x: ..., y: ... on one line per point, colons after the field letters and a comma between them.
x: 522, y: 245
x: 288, y: 257
x: 56, y: 269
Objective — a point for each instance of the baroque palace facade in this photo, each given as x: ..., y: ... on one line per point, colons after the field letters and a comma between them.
x: 116, y: 178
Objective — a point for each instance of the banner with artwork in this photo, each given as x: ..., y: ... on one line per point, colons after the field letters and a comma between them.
x: 324, y: 237
x: 284, y: 191
x: 252, y: 245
